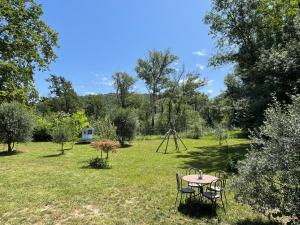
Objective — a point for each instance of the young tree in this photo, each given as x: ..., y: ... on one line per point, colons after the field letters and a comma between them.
x: 269, y: 177
x: 26, y: 44
x: 155, y: 71
x: 123, y: 84
x: 78, y: 121
x: 15, y: 124
x: 125, y: 125
x: 64, y: 98
x: 61, y: 129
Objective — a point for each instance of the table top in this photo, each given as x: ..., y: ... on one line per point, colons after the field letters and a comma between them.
x: 206, y: 179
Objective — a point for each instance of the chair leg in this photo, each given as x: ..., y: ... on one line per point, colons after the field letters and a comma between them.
x: 225, y: 196
x: 176, y: 198
x: 223, y: 204
x: 180, y: 198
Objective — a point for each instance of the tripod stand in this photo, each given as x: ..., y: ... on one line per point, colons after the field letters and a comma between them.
x: 175, y: 137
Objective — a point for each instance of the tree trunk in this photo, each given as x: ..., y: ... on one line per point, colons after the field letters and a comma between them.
x: 10, y: 147
x: 62, y: 148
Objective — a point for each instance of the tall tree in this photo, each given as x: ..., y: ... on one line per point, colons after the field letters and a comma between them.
x: 262, y: 38
x: 26, y: 44
x: 155, y: 71
x: 123, y: 84
x: 64, y: 97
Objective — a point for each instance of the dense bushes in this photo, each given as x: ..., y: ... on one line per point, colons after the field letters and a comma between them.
x: 269, y: 177
x: 15, y: 124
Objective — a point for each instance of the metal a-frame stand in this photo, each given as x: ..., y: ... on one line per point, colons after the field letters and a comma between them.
x: 175, y: 137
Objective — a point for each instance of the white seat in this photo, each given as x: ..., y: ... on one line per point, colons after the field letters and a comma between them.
x: 216, y: 189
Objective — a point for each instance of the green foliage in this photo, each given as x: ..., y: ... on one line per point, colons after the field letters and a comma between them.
x: 64, y: 97
x: 99, y: 163
x: 269, y: 176
x: 261, y: 38
x: 15, y: 124
x: 41, y: 129
x: 221, y: 134
x: 104, y: 129
x: 155, y: 71
x: 61, y: 129
x: 125, y: 123
x: 94, y: 106
x: 26, y: 44
x: 123, y: 84
x: 78, y: 121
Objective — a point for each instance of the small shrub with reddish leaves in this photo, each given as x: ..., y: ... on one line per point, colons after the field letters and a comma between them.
x: 105, y: 146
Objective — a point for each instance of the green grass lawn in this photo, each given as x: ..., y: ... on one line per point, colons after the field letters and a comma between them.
x: 38, y: 186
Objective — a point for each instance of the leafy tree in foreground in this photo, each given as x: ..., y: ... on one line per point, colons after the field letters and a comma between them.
x: 125, y: 125
x: 262, y: 39
x: 26, y: 44
x: 269, y: 177
x: 15, y: 124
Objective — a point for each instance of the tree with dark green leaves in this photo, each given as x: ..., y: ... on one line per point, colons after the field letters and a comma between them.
x: 262, y: 39
x: 125, y: 124
x: 268, y: 178
x: 123, y: 84
x: 16, y: 124
x: 26, y: 44
x: 94, y: 106
x: 63, y: 96
x: 155, y: 71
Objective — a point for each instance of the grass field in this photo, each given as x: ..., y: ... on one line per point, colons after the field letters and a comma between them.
x: 39, y: 186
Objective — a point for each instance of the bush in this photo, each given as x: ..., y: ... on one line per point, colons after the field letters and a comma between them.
x: 104, y: 129
x: 99, y: 163
x: 15, y: 124
x: 195, y: 132
x: 126, y: 124
x: 41, y: 134
x: 269, y: 177
x: 41, y: 130
x: 105, y: 146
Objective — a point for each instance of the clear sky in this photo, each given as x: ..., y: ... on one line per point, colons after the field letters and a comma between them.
x: 100, y: 37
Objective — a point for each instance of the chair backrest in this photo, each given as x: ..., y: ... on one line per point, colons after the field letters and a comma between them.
x: 217, y: 183
x: 191, y: 171
x: 178, y: 181
x: 222, y: 175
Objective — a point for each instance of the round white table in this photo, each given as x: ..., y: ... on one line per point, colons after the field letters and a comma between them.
x: 206, y: 179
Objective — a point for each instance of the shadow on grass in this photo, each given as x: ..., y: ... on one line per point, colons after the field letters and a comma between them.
x: 196, y: 209
x: 53, y: 155
x: 255, y: 222
x: 213, y: 158
x: 6, y: 153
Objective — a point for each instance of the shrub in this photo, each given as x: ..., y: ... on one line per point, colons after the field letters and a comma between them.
x: 105, y: 146
x: 15, y: 124
x: 104, y: 129
x: 221, y: 135
x: 99, y: 163
x: 195, y: 132
x: 268, y: 178
x: 41, y: 130
x: 126, y: 124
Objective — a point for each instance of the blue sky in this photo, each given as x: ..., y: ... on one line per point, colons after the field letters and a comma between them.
x: 100, y: 37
